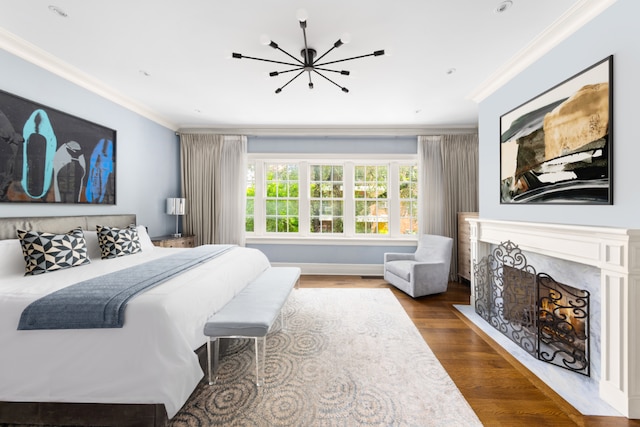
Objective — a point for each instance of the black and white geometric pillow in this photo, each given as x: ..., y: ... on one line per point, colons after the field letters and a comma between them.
x: 46, y: 252
x: 115, y: 242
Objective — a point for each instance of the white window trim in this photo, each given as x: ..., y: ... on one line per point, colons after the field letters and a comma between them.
x: 349, y: 236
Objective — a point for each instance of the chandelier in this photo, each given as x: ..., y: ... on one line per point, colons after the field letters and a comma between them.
x: 309, y: 63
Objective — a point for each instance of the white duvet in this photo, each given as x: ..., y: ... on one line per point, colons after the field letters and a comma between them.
x: 150, y: 360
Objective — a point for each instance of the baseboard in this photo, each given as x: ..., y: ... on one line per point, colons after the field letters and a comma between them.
x: 336, y: 269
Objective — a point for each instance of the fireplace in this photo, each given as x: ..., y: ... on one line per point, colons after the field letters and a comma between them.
x: 612, y: 343
x: 547, y: 319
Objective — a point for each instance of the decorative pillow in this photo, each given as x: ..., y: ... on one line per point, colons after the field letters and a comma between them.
x: 115, y: 242
x: 44, y: 252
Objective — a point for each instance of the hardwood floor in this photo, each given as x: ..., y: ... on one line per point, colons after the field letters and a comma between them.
x: 500, y: 390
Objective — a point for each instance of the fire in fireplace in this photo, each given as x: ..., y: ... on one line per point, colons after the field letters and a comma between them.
x: 549, y: 320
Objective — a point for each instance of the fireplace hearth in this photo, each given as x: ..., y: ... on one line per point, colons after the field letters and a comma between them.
x: 547, y: 319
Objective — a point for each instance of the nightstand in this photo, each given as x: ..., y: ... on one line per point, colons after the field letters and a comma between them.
x: 174, y: 242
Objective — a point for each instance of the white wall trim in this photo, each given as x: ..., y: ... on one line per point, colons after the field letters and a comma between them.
x: 567, y: 24
x: 336, y: 269
x: 43, y: 59
x: 335, y: 130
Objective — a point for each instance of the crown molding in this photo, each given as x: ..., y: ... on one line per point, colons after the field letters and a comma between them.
x: 334, y: 130
x: 43, y: 59
x: 567, y: 24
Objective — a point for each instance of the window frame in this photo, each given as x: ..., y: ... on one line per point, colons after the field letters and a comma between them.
x: 348, y: 161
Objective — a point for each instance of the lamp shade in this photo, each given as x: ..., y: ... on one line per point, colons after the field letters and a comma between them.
x: 175, y: 206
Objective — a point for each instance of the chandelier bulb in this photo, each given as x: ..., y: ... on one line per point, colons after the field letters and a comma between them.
x: 310, y: 85
x: 302, y: 15
x: 265, y: 40
x: 345, y: 38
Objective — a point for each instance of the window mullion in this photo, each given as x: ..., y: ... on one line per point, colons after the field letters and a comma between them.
x: 303, y: 199
x: 259, y: 200
x: 394, y: 199
x: 349, y: 201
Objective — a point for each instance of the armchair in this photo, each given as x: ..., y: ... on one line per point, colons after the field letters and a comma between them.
x: 424, y: 272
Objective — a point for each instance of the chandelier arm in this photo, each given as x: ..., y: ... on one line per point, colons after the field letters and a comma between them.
x: 287, y: 83
x: 289, y: 55
x: 327, y: 78
x: 277, y: 73
x: 310, y: 81
x: 268, y: 60
x: 323, y: 55
x: 346, y: 59
x: 306, y: 47
x: 343, y: 72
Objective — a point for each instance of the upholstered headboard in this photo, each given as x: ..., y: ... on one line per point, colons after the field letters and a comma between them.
x: 61, y: 224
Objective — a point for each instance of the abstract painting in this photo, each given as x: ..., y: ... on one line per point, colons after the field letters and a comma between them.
x: 47, y: 156
x: 557, y: 147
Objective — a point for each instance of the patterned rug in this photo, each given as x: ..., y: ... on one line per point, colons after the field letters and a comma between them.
x: 347, y: 357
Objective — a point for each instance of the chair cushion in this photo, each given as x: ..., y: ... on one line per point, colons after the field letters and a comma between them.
x: 401, y: 268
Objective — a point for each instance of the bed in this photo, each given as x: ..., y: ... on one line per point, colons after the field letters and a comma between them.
x: 147, y: 369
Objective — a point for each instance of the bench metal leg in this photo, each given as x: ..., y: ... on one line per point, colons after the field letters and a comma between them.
x: 212, y: 373
x: 260, y: 365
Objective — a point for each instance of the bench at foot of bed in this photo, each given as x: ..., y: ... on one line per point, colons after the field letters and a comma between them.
x: 250, y: 314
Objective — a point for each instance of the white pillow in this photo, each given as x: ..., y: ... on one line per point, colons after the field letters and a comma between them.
x: 93, y: 248
x: 145, y: 240
x: 11, y: 258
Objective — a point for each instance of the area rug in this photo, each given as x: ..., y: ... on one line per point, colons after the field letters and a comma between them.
x: 346, y: 357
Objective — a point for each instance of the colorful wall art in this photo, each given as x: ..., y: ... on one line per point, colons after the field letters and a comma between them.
x: 47, y: 156
x: 557, y: 147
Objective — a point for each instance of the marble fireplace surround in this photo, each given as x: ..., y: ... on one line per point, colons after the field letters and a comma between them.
x: 616, y: 253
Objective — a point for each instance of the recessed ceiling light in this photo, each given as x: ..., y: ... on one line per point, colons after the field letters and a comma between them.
x: 503, y: 6
x: 57, y: 10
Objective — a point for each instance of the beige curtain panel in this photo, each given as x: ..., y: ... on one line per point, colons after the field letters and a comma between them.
x: 213, y: 169
x: 448, y: 184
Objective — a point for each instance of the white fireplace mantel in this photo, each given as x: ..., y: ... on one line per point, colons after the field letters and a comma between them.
x: 616, y: 252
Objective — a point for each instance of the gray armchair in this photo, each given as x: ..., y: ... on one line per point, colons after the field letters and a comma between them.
x: 424, y: 272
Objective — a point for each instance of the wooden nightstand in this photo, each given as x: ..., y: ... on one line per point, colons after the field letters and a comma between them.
x: 174, y: 242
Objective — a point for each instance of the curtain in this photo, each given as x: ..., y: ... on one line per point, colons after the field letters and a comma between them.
x: 449, y: 184
x: 213, y: 169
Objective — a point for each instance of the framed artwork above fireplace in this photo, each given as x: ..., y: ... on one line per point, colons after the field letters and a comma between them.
x: 557, y: 147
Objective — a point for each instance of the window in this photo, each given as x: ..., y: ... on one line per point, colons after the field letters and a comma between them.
x: 370, y: 193
x: 251, y: 193
x: 326, y: 198
x: 408, y: 199
x: 330, y: 197
x: 281, y: 201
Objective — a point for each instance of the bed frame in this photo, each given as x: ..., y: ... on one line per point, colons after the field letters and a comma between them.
x: 79, y: 414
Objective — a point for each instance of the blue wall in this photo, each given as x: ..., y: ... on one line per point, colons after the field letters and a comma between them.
x: 614, y: 32
x: 332, y: 254
x: 147, y: 153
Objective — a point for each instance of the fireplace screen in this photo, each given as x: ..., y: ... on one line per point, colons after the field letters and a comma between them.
x: 549, y: 320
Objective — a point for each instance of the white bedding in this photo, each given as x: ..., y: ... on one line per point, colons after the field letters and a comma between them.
x: 150, y: 360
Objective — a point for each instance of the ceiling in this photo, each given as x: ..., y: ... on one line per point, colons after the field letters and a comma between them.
x: 171, y: 60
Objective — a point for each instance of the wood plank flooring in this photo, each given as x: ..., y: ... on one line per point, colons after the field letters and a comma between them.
x: 500, y: 390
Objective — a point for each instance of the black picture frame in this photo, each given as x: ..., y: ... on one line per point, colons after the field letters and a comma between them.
x: 557, y: 148
x: 48, y: 156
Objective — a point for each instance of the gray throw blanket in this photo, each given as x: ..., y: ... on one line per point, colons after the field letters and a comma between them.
x: 100, y: 302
